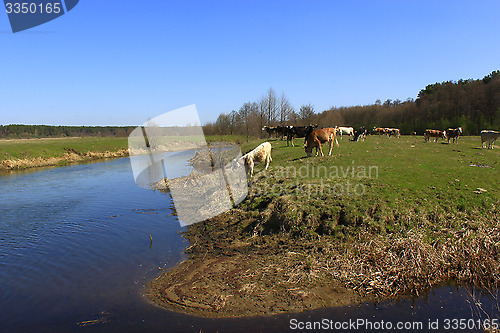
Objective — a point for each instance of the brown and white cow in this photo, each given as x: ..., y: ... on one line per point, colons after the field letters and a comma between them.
x: 379, y: 130
x: 320, y: 136
x: 392, y: 132
x: 260, y: 154
x: 436, y: 134
x: 453, y: 134
x: 489, y: 137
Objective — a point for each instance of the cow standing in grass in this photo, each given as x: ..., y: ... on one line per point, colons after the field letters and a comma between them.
x: 259, y: 155
x: 320, y: 136
x: 489, y: 137
x: 345, y: 131
x: 393, y: 132
x: 453, y: 134
x: 436, y: 134
x: 269, y: 130
x: 379, y: 130
x: 298, y: 132
x: 360, y: 133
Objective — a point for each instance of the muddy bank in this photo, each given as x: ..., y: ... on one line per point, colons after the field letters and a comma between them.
x: 276, y: 254
x: 247, y: 285
x: 70, y: 156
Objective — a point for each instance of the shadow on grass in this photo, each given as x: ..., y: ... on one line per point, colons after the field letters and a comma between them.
x: 299, y: 158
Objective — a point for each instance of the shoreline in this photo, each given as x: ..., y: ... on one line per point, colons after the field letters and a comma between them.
x: 70, y: 156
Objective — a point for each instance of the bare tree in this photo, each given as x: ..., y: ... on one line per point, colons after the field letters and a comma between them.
x: 306, y: 114
x: 233, y: 118
x: 245, y: 114
x: 284, y: 109
x: 293, y: 117
x: 269, y: 105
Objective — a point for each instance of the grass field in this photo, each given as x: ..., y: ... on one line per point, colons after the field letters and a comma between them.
x: 12, y: 149
x: 324, y: 231
x: 54, y: 147
x: 405, y: 172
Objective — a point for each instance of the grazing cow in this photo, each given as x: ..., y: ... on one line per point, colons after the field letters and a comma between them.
x: 392, y: 132
x: 489, y: 137
x: 453, y: 133
x: 298, y: 132
x: 260, y: 154
x: 345, y: 130
x: 436, y: 134
x: 320, y: 136
x: 379, y: 130
x: 360, y: 133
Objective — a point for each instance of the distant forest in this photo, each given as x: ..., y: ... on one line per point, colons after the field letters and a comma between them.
x: 473, y: 105
x: 45, y: 131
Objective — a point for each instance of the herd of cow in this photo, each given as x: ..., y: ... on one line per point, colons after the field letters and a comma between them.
x: 314, y: 138
x: 451, y: 134
x: 291, y: 132
x: 488, y: 137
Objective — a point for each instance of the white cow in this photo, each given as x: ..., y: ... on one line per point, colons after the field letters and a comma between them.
x: 489, y: 137
x: 260, y: 154
x: 345, y: 130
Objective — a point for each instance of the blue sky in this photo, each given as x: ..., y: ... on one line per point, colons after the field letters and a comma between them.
x: 122, y: 62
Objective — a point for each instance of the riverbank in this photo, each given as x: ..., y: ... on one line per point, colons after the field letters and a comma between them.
x: 19, y: 154
x: 428, y: 216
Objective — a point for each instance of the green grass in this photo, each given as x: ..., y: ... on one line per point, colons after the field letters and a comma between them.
x: 46, y: 148
x: 413, y: 175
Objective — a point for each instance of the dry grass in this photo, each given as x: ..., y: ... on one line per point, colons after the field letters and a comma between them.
x: 70, y: 156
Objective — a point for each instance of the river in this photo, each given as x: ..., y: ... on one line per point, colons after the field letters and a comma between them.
x: 75, y: 254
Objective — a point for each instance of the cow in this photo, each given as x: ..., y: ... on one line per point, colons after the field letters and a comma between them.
x: 454, y: 134
x: 316, y: 138
x: 360, y: 133
x: 379, y: 130
x: 281, y: 132
x: 298, y: 132
x: 489, y: 137
x: 345, y: 130
x: 393, y: 132
x: 269, y: 130
x: 260, y: 154
x: 436, y: 134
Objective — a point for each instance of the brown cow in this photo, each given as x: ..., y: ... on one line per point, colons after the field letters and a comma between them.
x: 453, y: 133
x: 393, y: 132
x: 320, y: 136
x: 379, y: 130
x: 436, y: 134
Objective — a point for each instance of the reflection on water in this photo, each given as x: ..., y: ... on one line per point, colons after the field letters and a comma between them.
x: 75, y: 241
x: 75, y: 248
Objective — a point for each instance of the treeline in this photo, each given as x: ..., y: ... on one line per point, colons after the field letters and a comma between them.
x: 473, y: 105
x: 270, y: 110
x: 46, y: 131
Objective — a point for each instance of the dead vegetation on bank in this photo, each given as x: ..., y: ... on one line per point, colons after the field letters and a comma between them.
x: 283, y: 254
x: 70, y: 156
